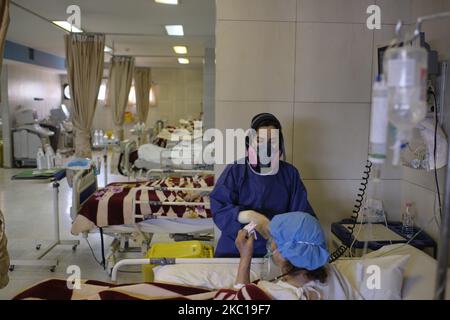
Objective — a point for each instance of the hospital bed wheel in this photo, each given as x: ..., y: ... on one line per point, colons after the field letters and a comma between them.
x: 52, y: 269
x: 74, y: 247
x: 38, y: 247
x: 11, y: 268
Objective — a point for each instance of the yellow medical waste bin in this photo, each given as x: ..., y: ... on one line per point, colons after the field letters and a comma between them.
x: 184, y: 249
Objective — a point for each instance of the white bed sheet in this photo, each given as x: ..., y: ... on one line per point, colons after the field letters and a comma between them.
x: 418, y: 282
x: 167, y: 225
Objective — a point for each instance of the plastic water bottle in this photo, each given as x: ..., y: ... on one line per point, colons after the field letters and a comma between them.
x: 96, y: 140
x: 408, y: 221
x: 100, y: 137
x: 58, y: 160
x: 40, y: 159
x: 49, y: 156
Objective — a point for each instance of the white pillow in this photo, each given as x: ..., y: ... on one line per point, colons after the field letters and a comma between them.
x: 378, y: 278
x: 150, y: 153
x: 209, y: 276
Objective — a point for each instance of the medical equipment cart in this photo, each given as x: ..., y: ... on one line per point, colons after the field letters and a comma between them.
x: 53, y: 176
x: 377, y: 235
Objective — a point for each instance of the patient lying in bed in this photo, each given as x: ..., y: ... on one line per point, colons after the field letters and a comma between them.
x: 297, y: 245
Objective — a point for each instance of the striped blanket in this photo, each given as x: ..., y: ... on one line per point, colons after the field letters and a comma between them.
x: 56, y: 289
x: 114, y: 205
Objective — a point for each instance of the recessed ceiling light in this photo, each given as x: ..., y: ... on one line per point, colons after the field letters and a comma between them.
x: 175, y: 30
x: 67, y: 26
x: 180, y: 49
x: 183, y: 61
x: 172, y: 2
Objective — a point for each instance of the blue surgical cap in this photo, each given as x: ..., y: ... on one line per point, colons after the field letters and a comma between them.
x: 300, y: 239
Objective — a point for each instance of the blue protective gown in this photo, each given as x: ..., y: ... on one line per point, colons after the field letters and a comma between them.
x: 239, y: 188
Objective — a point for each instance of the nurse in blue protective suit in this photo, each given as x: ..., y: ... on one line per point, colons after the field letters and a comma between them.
x: 257, y: 189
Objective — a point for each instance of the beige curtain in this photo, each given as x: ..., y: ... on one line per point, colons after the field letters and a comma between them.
x: 120, y: 79
x: 85, y: 60
x: 142, y: 84
x: 4, y: 23
x: 4, y: 257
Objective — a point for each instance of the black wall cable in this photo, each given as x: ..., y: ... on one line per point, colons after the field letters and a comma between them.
x: 339, y: 252
x: 436, y: 119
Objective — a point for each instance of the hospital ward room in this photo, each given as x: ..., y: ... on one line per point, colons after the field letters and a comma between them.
x: 202, y: 150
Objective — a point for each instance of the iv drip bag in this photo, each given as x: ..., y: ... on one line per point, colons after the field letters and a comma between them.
x: 406, y: 70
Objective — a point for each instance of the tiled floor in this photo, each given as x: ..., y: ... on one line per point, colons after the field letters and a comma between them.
x: 27, y: 207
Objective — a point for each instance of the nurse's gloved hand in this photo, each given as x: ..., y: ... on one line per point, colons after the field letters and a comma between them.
x: 244, y: 243
x: 262, y: 223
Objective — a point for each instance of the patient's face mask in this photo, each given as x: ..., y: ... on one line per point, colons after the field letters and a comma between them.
x: 264, y: 151
x: 270, y: 270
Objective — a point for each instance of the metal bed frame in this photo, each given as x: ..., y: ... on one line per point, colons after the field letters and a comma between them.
x: 172, y: 261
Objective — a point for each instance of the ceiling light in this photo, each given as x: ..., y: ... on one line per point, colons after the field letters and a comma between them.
x: 172, y: 2
x: 180, y: 49
x: 175, y: 30
x: 67, y: 26
x: 108, y: 49
x: 183, y: 61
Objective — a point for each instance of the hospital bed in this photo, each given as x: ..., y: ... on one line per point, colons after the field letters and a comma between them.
x: 183, y: 155
x: 170, y: 147
x: 419, y: 273
x: 198, y: 279
x: 138, y: 210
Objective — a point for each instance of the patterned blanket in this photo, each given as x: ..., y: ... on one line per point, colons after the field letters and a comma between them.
x: 113, y: 205
x: 56, y: 289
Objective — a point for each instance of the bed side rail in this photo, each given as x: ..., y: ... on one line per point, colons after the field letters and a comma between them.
x: 129, y: 146
x: 152, y: 172
x: 84, y: 185
x: 171, y: 261
x: 202, y: 192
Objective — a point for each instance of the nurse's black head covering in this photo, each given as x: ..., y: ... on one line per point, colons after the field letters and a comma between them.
x: 268, y: 119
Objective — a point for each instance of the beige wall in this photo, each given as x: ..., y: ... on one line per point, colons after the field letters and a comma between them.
x: 26, y: 82
x: 21, y: 83
x: 311, y: 63
x: 179, y: 95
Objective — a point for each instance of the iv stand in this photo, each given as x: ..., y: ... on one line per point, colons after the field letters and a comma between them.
x: 444, y: 236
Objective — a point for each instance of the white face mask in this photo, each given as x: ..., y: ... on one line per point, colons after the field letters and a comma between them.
x: 264, y: 157
x: 265, y: 171
x: 269, y: 270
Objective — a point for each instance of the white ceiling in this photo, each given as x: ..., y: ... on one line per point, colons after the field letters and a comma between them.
x: 133, y: 27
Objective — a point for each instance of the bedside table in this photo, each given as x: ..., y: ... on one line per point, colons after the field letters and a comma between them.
x: 378, y: 235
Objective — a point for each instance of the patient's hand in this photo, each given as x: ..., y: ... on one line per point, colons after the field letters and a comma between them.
x: 244, y: 243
